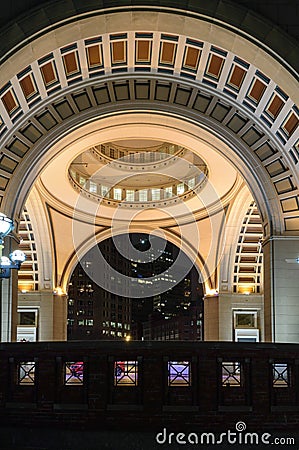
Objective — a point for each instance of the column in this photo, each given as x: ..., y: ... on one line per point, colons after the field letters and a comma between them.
x: 281, y: 289
x: 211, y: 317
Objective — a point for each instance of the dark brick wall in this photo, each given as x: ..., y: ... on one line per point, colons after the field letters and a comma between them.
x: 97, y: 404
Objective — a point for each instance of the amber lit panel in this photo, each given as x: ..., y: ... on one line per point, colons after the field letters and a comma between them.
x: 214, y: 66
x: 49, y: 73
x: 94, y: 56
x: 284, y: 185
x: 9, y: 101
x: 236, y: 77
x: 290, y: 204
x: 118, y: 52
x: 143, y: 51
x: 167, y: 53
x: 291, y: 124
x: 257, y: 90
x: 191, y: 58
x: 275, y: 105
x: 28, y: 86
x: 70, y: 61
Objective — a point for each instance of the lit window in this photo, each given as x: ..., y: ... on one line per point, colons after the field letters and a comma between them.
x: 281, y: 375
x: 180, y: 189
x: 130, y: 195
x: 125, y: 373
x: 155, y: 194
x: 168, y: 192
x: 92, y: 187
x: 104, y: 191
x: 179, y: 373
x: 26, y: 372
x: 191, y: 183
x: 82, y: 180
x: 89, y: 322
x: 143, y: 195
x: 231, y: 374
x: 73, y: 372
x: 117, y: 193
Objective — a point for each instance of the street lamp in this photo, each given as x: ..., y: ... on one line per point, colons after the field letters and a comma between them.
x: 17, y: 257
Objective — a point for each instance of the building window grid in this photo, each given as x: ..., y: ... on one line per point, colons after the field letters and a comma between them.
x: 231, y: 374
x: 281, y: 375
x: 179, y: 373
x: 26, y: 373
x: 73, y: 373
x: 126, y: 373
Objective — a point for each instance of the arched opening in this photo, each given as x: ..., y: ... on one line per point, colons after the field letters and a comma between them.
x: 155, y: 294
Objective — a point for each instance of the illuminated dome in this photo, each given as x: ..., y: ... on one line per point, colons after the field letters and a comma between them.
x: 139, y: 172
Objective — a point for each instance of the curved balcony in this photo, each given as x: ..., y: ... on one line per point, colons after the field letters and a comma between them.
x: 114, y: 195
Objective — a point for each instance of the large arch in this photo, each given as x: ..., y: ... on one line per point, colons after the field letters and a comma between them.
x: 240, y: 96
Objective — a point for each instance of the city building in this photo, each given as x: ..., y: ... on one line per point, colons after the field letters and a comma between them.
x: 96, y: 313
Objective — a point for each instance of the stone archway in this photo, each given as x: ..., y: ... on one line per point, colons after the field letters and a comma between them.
x: 230, y: 90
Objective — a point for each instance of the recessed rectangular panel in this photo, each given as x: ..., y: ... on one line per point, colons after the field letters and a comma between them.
x: 290, y: 204
x: 201, y: 103
x: 182, y: 96
x: 101, y: 95
x: 118, y: 52
x: 265, y: 151
x: 251, y: 136
x: 47, y: 120
x: 32, y: 133
x: 290, y: 124
x: 82, y: 101
x: 214, y: 66
x: 64, y: 109
x: 284, y: 185
x: 18, y: 147
x: 94, y: 56
x: 275, y: 168
x: 292, y: 223
x: 71, y: 64
x: 167, y: 53
x: 256, y: 91
x: 219, y: 112
x: 3, y: 182
x: 28, y: 86
x: 142, y: 90
x: 236, y: 123
x: 143, y: 51
x: 49, y: 73
x: 191, y: 58
x: 274, y: 106
x: 8, y: 164
x: 236, y: 77
x: 10, y: 102
x: 121, y: 91
x: 162, y: 92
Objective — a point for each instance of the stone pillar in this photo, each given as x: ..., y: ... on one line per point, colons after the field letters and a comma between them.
x: 281, y: 289
x: 60, y: 317
x: 211, y: 317
x: 52, y: 313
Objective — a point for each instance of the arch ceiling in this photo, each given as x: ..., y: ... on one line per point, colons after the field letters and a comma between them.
x: 172, y: 62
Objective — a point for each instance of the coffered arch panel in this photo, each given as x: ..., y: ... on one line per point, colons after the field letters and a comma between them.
x: 152, y: 70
